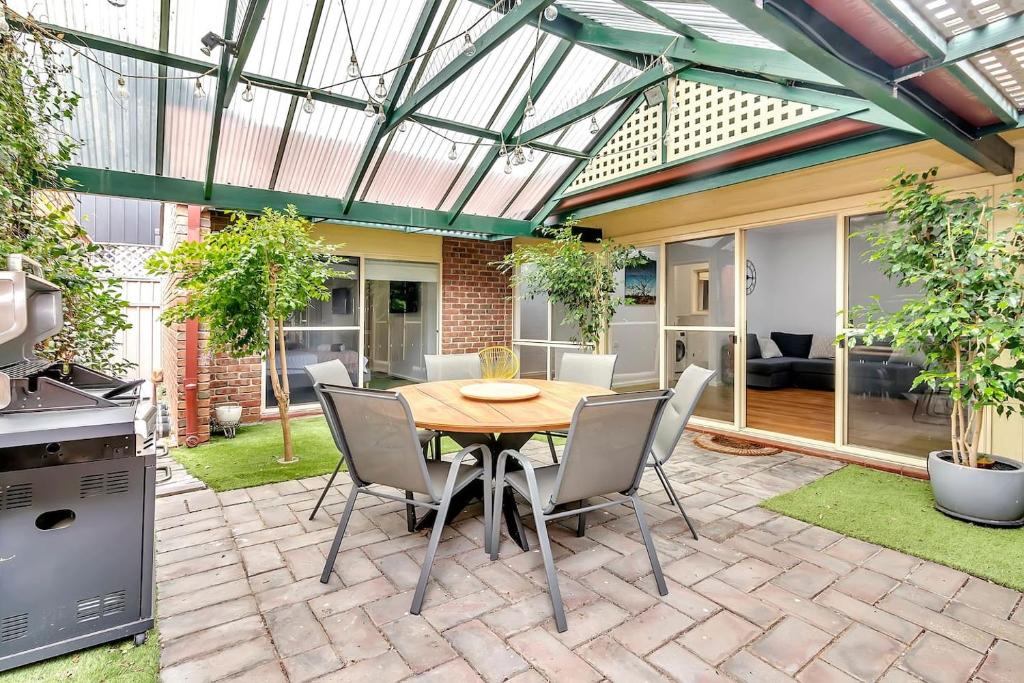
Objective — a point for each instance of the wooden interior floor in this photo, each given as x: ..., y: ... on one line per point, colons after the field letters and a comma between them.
x: 807, y: 413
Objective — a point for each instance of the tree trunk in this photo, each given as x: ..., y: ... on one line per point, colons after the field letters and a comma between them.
x: 284, y: 401
x: 280, y: 393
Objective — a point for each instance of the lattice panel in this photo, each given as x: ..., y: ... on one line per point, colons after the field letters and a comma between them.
x: 705, y: 117
x: 636, y: 147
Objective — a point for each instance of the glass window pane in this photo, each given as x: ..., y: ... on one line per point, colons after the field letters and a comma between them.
x: 533, y: 362
x: 633, y: 332
x: 561, y: 331
x: 305, y: 347
x: 532, y: 316
x: 342, y: 309
x: 700, y: 277
x: 866, y: 279
x: 711, y: 350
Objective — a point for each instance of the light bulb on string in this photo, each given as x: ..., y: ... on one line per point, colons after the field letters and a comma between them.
x: 468, y: 48
x: 369, y: 109
x: 508, y: 166
x: 453, y: 154
x: 551, y: 12
x: 666, y: 66
x: 594, y: 127
x: 381, y: 117
x: 529, y: 154
x: 353, y: 67
x: 247, y: 94
x: 199, y: 92
x: 530, y: 109
x: 502, y: 151
x: 403, y: 126
x: 382, y: 90
x: 307, y: 106
x: 520, y: 157
x: 122, y: 89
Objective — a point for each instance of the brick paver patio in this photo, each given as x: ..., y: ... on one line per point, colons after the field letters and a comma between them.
x: 760, y: 597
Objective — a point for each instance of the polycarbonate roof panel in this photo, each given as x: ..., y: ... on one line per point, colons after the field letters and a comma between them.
x: 950, y: 17
x: 138, y: 22
x: 113, y: 133
x: 583, y: 74
x: 188, y: 121
x: 249, y: 137
x: 381, y: 30
x: 548, y: 173
x: 277, y: 50
x: 533, y: 179
x: 578, y: 136
x: 413, y: 168
x: 323, y: 149
x: 1005, y: 68
x: 697, y: 15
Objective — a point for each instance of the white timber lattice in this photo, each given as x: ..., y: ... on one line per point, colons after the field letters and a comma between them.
x: 635, y: 147
x: 705, y: 117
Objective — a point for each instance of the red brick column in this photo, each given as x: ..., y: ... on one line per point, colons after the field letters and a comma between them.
x: 476, y: 298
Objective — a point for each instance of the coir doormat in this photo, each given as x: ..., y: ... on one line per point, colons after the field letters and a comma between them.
x: 732, y: 446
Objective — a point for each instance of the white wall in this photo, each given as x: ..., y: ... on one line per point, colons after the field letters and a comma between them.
x: 795, y: 290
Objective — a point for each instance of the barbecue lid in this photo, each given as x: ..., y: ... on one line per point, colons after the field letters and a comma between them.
x: 30, y: 309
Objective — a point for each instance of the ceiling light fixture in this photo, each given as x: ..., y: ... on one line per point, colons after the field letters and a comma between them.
x: 594, y: 127
x: 468, y: 48
x: 247, y: 94
x: 122, y: 89
x: 308, y: 105
x: 454, y: 153
x: 198, y: 91
x: 382, y: 90
x: 353, y: 67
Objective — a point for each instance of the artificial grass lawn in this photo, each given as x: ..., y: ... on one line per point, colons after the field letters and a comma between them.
x: 117, y: 661
x: 897, y: 512
x: 250, y: 459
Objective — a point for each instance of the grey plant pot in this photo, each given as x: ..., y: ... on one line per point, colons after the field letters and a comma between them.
x: 994, y: 497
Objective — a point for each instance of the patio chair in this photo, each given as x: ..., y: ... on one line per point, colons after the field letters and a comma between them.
x: 608, y: 445
x: 498, y: 362
x: 335, y: 373
x: 689, y: 388
x: 453, y: 366
x: 583, y: 368
x: 375, y: 432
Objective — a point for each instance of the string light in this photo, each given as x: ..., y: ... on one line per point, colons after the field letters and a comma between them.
x: 594, y: 127
x: 382, y: 90
x: 308, y: 106
x: 666, y: 66
x: 353, y: 67
x: 529, y: 154
x: 247, y: 94
x: 468, y: 48
x: 198, y: 91
x: 508, y: 166
x: 403, y: 126
x: 381, y: 118
x: 530, y: 109
x: 122, y: 89
x: 551, y: 12
x: 454, y: 153
x: 369, y: 109
x: 502, y: 151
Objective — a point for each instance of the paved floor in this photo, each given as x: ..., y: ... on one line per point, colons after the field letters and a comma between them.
x: 760, y: 598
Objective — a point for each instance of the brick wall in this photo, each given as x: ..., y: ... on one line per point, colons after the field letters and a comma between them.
x: 476, y: 297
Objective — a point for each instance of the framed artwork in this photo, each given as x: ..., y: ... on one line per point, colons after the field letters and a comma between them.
x: 642, y: 284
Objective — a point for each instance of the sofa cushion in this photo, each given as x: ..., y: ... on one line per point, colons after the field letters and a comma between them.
x: 820, y: 366
x: 768, y: 366
x: 753, y: 348
x: 793, y: 345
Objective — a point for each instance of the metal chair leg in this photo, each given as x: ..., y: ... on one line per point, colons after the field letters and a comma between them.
x: 342, y: 525
x: 652, y: 553
x: 410, y: 513
x: 549, y: 560
x: 435, y: 539
x: 494, y: 531
x: 488, y: 502
x: 323, y: 494
x: 437, y: 446
x: 551, y: 445
x: 581, y: 522
x: 663, y: 476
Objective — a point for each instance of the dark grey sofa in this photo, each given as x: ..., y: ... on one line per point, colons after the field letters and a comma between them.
x: 793, y: 369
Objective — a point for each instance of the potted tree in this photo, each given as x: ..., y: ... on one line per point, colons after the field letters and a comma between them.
x: 579, y: 277
x: 244, y: 282
x: 967, y: 323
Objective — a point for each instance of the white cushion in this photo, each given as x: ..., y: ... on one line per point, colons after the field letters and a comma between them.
x: 769, y: 349
x: 822, y: 347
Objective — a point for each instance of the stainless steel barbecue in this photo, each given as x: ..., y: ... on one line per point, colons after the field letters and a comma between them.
x: 77, y: 477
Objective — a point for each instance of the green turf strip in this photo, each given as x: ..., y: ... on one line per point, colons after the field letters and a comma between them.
x: 118, y: 661
x: 898, y: 512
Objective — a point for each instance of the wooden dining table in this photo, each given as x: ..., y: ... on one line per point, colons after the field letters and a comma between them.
x: 441, y: 406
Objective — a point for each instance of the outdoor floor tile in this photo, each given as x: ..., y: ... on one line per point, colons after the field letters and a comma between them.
x: 790, y: 644
x: 863, y: 653
x: 1004, y: 664
x: 720, y: 636
x: 940, y: 660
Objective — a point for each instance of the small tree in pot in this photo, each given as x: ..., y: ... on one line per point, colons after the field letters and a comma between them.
x: 570, y: 273
x: 968, y: 324
x: 244, y: 282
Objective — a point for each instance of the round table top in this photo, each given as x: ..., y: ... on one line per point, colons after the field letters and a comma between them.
x: 440, y: 406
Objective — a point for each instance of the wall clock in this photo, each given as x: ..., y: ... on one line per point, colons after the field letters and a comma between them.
x: 751, y: 277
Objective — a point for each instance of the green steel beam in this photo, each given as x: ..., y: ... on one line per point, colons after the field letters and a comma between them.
x: 596, y: 144
x: 163, y: 188
x: 161, y: 87
x: 540, y: 83
x: 774, y: 23
x: 300, y: 76
x: 966, y: 45
x: 838, y: 151
x: 218, y: 108
x: 661, y: 18
x: 490, y: 39
x: 651, y: 77
x: 246, y: 37
x: 412, y: 48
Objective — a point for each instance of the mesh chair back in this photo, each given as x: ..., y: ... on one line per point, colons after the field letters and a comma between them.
x: 453, y: 366
x: 689, y: 388
x: 376, y: 433
x: 588, y: 368
x: 329, y: 372
x: 608, y: 444
x: 498, y: 362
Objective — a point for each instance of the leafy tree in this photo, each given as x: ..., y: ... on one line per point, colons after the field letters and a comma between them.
x: 969, y: 319
x: 244, y: 281
x: 34, y: 108
x: 570, y: 273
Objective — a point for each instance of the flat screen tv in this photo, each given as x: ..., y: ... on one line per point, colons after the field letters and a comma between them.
x: 404, y: 297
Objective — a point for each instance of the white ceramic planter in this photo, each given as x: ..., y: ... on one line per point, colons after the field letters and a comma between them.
x: 994, y: 497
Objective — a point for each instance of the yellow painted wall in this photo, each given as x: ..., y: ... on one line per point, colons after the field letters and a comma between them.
x: 851, y: 186
x: 379, y: 243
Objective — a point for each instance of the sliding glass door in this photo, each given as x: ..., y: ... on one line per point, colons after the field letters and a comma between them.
x: 700, y: 319
x: 633, y: 331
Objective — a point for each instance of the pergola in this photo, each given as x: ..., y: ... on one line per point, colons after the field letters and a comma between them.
x: 477, y: 117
